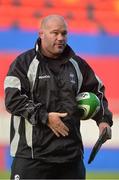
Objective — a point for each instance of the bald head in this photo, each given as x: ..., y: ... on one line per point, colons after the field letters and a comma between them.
x: 51, y: 19
x: 53, y: 35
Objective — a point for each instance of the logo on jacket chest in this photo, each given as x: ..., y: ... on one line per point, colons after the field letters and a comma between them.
x: 44, y: 77
x: 72, y: 78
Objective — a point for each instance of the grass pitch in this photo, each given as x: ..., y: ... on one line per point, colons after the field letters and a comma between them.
x: 90, y: 175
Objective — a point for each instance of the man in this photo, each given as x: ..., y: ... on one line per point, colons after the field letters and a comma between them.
x: 40, y: 93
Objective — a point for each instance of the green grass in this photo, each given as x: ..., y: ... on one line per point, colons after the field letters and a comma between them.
x: 103, y: 175
x: 4, y: 175
x: 90, y: 175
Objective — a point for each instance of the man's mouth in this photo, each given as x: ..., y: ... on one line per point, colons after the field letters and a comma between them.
x: 60, y: 45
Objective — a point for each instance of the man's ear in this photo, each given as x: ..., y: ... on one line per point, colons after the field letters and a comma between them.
x: 41, y: 34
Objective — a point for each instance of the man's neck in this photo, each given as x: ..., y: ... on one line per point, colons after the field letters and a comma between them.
x: 48, y: 54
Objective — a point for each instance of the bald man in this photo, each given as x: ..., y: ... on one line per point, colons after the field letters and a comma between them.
x: 40, y: 93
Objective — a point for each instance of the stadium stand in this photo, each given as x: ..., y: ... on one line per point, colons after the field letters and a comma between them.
x: 94, y: 15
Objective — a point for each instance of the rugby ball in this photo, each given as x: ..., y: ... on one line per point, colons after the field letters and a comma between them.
x: 88, y: 104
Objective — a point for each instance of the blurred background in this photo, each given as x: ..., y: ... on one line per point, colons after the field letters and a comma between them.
x: 94, y: 35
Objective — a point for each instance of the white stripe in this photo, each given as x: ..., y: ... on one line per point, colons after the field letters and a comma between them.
x: 32, y: 72
x: 15, y: 141
x: 28, y: 132
x: 99, y: 87
x: 78, y: 72
x: 12, y: 82
x: 36, y: 47
x: 32, y: 77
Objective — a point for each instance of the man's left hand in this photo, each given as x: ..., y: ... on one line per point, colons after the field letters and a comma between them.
x: 103, y: 125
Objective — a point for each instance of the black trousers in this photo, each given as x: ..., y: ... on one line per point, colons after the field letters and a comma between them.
x: 34, y: 169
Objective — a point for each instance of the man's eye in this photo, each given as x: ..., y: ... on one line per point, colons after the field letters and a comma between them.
x: 55, y: 33
x: 64, y: 33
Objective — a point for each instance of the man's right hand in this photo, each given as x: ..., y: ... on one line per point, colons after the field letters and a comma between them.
x: 56, y: 125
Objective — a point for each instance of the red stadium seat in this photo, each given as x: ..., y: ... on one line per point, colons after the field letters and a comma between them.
x: 88, y: 15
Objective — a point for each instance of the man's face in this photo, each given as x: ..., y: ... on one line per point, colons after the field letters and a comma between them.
x: 54, y: 38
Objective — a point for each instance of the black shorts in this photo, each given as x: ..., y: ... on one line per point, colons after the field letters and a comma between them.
x: 34, y: 169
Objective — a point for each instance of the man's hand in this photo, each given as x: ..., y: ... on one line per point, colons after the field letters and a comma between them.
x: 56, y: 125
x: 102, y: 125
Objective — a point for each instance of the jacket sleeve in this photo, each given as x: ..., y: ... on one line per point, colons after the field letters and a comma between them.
x: 18, y: 99
x: 92, y: 83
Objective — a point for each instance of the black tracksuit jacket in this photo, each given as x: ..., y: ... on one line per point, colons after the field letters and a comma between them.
x: 36, y: 85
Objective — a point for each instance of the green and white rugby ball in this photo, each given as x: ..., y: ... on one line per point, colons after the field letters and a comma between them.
x: 88, y: 104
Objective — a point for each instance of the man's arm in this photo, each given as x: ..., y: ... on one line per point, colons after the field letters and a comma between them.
x: 18, y: 100
x: 92, y: 83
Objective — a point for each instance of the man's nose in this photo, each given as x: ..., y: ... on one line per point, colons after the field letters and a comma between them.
x: 60, y: 37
